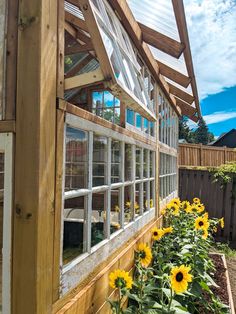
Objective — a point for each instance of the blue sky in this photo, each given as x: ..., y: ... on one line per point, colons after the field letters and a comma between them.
x: 212, y: 33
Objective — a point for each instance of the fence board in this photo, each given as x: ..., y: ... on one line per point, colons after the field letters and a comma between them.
x: 219, y: 200
x: 203, y: 155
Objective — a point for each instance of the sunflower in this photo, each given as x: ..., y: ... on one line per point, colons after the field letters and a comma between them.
x: 144, y: 254
x: 180, y: 278
x: 196, y: 200
x: 201, y: 223
x: 221, y: 222
x: 167, y: 230
x: 206, y: 215
x: 185, y: 205
x: 151, y: 203
x: 200, y: 208
x: 194, y: 208
x: 157, y: 234
x: 120, y: 279
x: 176, y: 201
x: 128, y: 204
x: 163, y: 211
x: 117, y: 209
x: 205, y: 234
x: 215, y: 229
x: 173, y: 208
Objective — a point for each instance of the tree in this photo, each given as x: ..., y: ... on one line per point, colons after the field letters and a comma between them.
x: 184, y: 130
x: 202, y: 134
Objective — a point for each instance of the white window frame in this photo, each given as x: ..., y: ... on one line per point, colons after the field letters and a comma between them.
x: 112, y: 241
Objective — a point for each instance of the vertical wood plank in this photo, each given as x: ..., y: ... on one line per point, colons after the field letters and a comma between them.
x: 35, y: 158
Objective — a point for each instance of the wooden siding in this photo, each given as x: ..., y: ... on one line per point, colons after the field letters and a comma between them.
x: 220, y: 200
x: 90, y: 296
x: 202, y: 155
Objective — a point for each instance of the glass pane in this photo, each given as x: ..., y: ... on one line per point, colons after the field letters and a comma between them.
x: 115, y: 210
x: 137, y: 204
x: 138, y: 121
x: 145, y: 165
x: 152, y: 191
x: 128, y: 162
x: 98, y: 218
x: 151, y: 173
x: 115, y: 161
x: 109, y: 99
x: 145, y: 125
x: 152, y: 124
x: 138, y: 163
x: 130, y: 116
x: 99, y: 160
x: 145, y: 196
x: 74, y: 242
x: 128, y: 204
x: 76, y: 172
x: 97, y: 98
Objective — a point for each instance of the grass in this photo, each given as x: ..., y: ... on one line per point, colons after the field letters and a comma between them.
x: 225, y: 249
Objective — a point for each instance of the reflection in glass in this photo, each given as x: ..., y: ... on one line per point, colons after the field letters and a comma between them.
x: 145, y: 196
x: 138, y: 121
x: 98, y: 218
x: 74, y: 226
x: 76, y: 172
x: 115, y: 211
x: 99, y: 160
x: 137, y: 204
x: 138, y: 163
x: 115, y: 161
x: 128, y: 162
x: 145, y: 163
x: 130, y: 116
x: 128, y: 205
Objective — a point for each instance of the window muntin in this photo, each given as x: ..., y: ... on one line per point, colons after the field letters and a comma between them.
x: 167, y: 175
x: 98, y: 211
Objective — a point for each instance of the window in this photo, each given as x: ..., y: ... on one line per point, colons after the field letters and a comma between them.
x: 104, y: 187
x: 142, y: 124
x: 167, y: 175
x: 106, y: 106
x: 168, y: 123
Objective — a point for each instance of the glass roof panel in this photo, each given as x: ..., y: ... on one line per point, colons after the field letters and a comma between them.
x: 158, y: 15
x: 73, y: 10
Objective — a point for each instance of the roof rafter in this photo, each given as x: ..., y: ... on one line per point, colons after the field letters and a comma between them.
x: 173, y: 74
x: 183, y: 33
x: 75, y: 69
x: 79, y: 48
x: 181, y: 94
x: 84, y: 79
x: 187, y: 109
x: 161, y: 41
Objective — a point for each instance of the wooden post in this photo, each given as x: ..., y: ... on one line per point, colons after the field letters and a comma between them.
x: 35, y: 157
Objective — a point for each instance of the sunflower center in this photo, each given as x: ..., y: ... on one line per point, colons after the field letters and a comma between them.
x: 120, y: 282
x: 155, y: 233
x: 201, y: 223
x: 142, y: 254
x: 179, y: 277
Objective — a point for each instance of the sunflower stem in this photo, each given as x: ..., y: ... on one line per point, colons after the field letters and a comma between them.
x: 171, y: 298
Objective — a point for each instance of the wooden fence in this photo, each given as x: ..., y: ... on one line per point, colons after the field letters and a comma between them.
x: 203, y: 155
x: 220, y: 201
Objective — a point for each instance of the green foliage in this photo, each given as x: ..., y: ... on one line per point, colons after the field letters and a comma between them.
x: 202, y: 134
x: 224, y: 249
x: 184, y: 130
x: 225, y: 172
x: 186, y: 245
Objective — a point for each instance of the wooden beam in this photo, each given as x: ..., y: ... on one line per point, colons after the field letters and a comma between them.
x: 78, y: 48
x: 181, y: 94
x: 186, y: 109
x: 75, y: 21
x: 84, y: 79
x: 7, y: 126
x: 34, y: 175
x: 183, y: 33
x: 173, y: 75
x: 161, y: 42
x: 11, y: 59
x: 78, y: 66
x: 74, y: 2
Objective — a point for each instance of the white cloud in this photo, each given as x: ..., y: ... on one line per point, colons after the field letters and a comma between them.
x: 219, y: 116
x: 215, y: 117
x: 212, y: 32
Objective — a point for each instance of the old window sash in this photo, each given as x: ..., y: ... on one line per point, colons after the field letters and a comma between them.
x: 91, y: 128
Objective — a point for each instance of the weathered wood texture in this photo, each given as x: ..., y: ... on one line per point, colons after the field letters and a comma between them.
x: 202, y: 155
x: 2, y: 52
x: 219, y: 199
x: 35, y: 158
x: 91, y: 298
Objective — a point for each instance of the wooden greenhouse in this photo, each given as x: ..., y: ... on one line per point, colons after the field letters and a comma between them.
x: 90, y: 95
